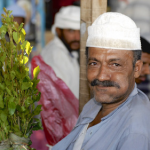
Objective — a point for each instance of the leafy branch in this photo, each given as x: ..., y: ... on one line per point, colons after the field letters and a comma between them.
x: 18, y: 92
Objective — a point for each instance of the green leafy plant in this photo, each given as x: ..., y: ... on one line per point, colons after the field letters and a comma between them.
x: 18, y: 93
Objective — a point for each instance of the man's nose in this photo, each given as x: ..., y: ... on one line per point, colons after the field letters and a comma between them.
x: 104, y: 73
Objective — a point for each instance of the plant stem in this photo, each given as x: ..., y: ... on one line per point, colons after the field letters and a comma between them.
x: 19, y: 122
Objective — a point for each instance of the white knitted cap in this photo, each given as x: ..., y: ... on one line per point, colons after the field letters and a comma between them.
x: 115, y: 31
x: 67, y: 18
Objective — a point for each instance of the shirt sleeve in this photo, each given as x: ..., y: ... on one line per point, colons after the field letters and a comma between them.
x: 134, y: 142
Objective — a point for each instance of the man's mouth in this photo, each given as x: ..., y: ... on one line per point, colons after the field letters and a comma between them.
x: 142, y: 78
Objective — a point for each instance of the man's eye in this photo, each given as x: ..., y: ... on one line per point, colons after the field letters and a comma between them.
x: 92, y: 63
x: 116, y: 65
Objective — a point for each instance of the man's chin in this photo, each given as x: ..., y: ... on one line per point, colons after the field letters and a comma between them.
x: 75, y: 46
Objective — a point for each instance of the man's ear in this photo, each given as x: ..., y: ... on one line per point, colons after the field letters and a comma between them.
x: 138, y: 68
x: 58, y: 31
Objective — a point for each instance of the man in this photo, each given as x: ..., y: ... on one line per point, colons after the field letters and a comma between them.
x: 61, y: 53
x: 117, y: 118
x: 142, y: 81
x: 146, y: 61
x: 18, y: 13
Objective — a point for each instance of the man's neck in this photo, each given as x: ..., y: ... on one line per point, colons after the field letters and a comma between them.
x: 105, y: 110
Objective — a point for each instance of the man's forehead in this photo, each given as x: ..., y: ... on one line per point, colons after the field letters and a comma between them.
x: 145, y: 57
x: 109, y: 53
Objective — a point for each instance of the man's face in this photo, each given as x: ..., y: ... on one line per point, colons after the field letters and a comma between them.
x: 70, y: 37
x: 145, y: 69
x: 19, y: 20
x: 113, y: 73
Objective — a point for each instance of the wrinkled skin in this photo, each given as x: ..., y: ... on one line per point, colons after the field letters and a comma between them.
x: 112, y: 65
x: 70, y: 37
x: 145, y: 69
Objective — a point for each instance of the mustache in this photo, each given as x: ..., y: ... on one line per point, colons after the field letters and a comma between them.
x: 105, y: 83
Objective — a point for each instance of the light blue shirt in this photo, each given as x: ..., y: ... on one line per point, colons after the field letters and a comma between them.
x: 126, y: 128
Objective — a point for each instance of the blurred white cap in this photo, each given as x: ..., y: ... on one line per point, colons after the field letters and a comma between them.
x: 115, y: 31
x: 17, y: 11
x: 67, y: 18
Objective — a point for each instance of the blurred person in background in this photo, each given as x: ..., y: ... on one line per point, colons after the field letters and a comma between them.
x: 62, y: 52
x: 142, y: 81
x: 139, y: 12
x: 133, y: 9
x: 18, y: 13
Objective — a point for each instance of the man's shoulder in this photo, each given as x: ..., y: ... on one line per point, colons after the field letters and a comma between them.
x: 52, y: 47
x: 138, y: 115
x: 140, y: 103
x: 54, y: 50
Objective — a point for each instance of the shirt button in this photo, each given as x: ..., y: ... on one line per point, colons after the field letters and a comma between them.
x: 90, y: 133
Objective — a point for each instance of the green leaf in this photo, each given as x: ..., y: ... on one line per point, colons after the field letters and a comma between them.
x: 2, y: 57
x: 3, y: 31
x: 2, y: 87
x: 1, y: 101
x: 26, y: 85
x: 3, y: 15
x: 6, y: 128
x: 36, y: 71
x: 12, y: 74
x: 8, y: 19
x: 17, y: 130
x: 5, y: 10
x: 8, y: 91
x: 21, y: 26
x: 37, y: 97
x: 18, y: 107
x: 11, y: 99
x: 15, y: 93
x: 23, y: 46
x: 11, y: 108
x: 3, y: 116
x: 37, y: 110
x: 23, y: 108
x: 16, y: 37
x: 28, y: 102
x: 9, y: 12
